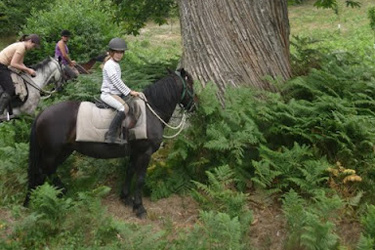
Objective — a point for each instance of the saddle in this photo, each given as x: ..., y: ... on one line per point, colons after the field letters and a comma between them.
x: 20, y: 86
x: 93, y: 121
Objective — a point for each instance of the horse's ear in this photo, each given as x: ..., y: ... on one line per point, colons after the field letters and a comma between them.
x: 182, y: 71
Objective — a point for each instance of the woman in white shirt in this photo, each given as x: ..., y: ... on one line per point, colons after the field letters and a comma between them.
x: 113, y: 88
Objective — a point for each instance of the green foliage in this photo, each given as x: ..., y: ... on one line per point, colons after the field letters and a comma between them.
x: 13, y: 160
x: 216, y: 137
x: 296, y: 168
x: 310, y: 225
x: 303, y: 56
x: 295, y: 2
x: 371, y: 17
x: 48, y: 207
x: 13, y: 177
x: 327, y: 111
x: 133, y: 15
x: 220, y: 195
x: 333, y: 4
x: 142, y: 66
x: 77, y: 223
x: 367, y: 239
x: 13, y: 14
x: 215, y: 231
x: 90, y: 24
x: 55, y: 219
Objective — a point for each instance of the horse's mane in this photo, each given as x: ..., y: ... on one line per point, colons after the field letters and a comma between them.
x: 164, y: 93
x: 42, y: 64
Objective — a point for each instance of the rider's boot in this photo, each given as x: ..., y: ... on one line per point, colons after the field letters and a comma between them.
x: 4, y: 101
x: 112, y: 136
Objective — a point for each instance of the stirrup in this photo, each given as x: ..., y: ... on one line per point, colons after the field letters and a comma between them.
x: 116, y: 140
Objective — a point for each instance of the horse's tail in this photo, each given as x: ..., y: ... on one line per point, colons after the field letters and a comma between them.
x: 34, y: 173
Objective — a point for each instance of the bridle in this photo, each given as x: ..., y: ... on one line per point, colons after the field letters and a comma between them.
x: 59, y: 67
x: 186, y: 92
x: 30, y: 81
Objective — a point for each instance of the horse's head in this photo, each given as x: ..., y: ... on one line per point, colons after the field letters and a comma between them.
x: 189, y: 99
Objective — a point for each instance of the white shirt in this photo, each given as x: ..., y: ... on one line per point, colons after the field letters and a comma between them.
x: 112, y: 82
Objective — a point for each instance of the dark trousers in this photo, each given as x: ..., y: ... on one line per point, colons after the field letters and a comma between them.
x: 6, y: 81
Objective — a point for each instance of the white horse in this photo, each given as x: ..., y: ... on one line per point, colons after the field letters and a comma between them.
x: 47, y: 71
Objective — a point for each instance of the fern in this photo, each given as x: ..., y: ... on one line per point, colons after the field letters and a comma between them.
x: 309, y: 225
x: 290, y: 168
x: 219, y: 195
x: 13, y: 176
x: 215, y: 231
x: 45, y: 202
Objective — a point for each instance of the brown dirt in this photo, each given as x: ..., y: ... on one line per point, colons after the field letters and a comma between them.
x: 6, y: 221
x: 182, y: 211
x: 267, y: 231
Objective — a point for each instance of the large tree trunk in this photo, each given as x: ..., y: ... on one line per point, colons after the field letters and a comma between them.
x: 235, y: 42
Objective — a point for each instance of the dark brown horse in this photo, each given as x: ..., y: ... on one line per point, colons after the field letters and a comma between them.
x: 53, y: 135
x: 84, y: 68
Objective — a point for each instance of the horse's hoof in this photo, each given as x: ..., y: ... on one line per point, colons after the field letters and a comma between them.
x: 26, y: 202
x: 142, y: 215
x: 140, y: 211
x: 128, y: 201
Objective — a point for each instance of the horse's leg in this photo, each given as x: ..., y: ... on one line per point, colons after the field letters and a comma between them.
x: 140, y: 164
x: 48, y: 166
x: 125, y: 192
x: 51, y: 165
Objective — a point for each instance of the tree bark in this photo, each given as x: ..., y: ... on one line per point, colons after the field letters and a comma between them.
x: 235, y: 42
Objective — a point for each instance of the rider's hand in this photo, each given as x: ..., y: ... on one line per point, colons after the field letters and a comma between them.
x: 134, y: 93
x: 31, y: 72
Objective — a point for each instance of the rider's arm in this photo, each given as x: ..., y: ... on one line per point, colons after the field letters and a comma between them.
x: 17, y: 62
x: 119, y: 84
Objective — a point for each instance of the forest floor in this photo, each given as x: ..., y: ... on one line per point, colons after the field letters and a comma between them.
x: 268, y: 230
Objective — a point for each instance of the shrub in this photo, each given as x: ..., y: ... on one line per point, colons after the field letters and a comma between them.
x: 90, y: 24
x: 309, y: 224
x: 296, y: 168
x: 367, y: 238
x: 13, y: 160
x: 215, y: 231
x: 13, y: 14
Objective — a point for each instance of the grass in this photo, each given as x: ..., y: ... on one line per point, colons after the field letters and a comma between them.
x: 355, y: 34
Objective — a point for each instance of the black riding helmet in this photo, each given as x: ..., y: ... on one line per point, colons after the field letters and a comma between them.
x: 65, y: 33
x: 117, y: 44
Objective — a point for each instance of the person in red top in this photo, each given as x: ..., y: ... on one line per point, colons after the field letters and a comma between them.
x: 13, y: 55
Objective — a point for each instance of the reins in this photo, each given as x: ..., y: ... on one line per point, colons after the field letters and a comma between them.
x: 33, y: 84
x: 179, y: 127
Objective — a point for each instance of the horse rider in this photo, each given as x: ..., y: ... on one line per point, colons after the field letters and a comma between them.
x: 13, y: 56
x: 113, y: 88
x: 62, y: 51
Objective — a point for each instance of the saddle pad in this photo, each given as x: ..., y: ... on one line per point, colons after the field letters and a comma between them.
x: 140, y: 129
x: 93, y: 122
x: 19, y: 86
